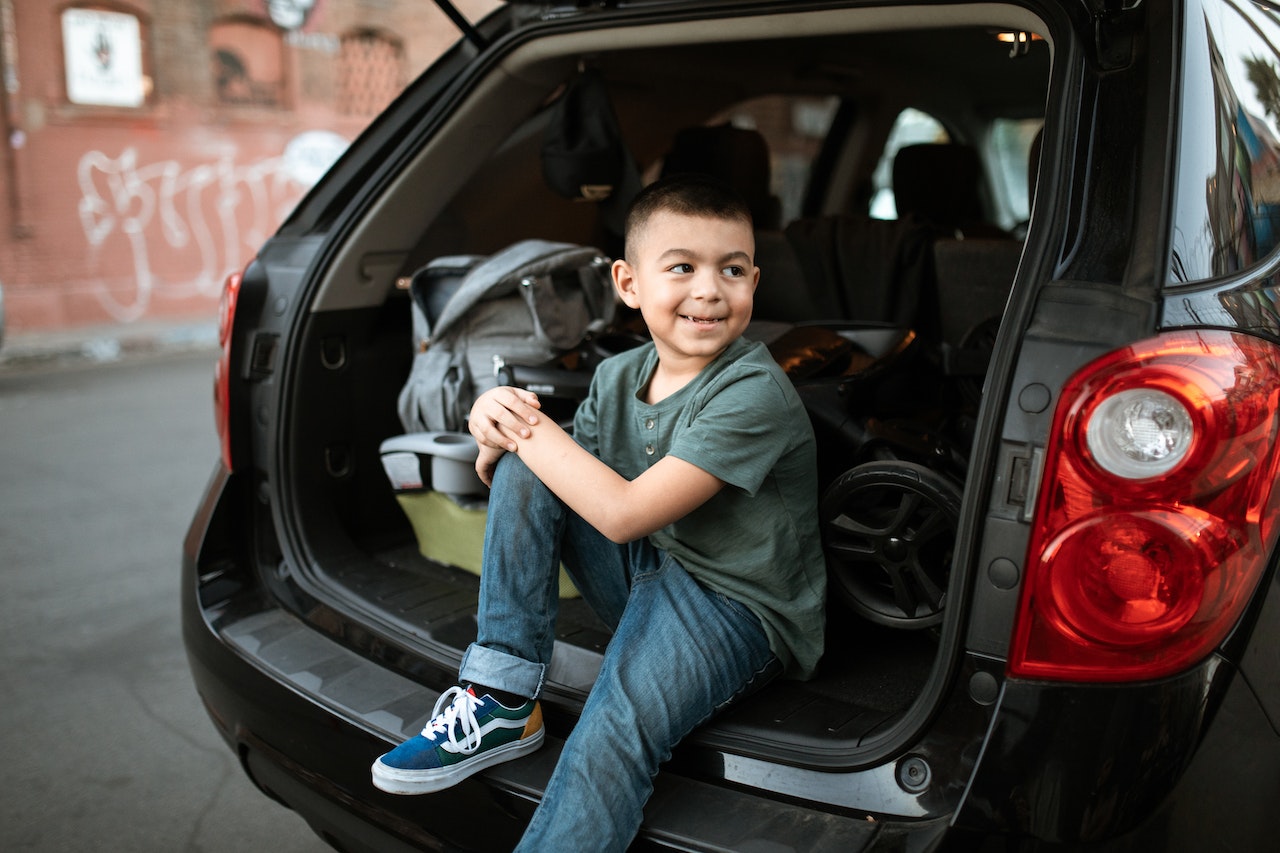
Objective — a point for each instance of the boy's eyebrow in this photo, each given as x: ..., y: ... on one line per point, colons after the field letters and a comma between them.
x: 735, y: 255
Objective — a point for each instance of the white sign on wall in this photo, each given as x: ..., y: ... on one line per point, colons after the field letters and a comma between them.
x: 103, y: 53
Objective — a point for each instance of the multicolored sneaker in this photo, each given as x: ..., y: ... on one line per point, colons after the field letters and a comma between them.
x: 465, y: 735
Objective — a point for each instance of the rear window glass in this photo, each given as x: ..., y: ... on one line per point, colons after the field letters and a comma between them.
x: 1010, y: 154
x: 1227, y: 203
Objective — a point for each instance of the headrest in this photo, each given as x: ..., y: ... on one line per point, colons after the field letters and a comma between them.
x: 736, y: 156
x: 939, y: 182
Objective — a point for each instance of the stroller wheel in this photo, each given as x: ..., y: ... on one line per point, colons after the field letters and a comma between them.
x: 889, y: 531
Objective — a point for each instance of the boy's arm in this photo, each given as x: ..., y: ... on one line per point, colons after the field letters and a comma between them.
x: 514, y: 406
x: 622, y: 510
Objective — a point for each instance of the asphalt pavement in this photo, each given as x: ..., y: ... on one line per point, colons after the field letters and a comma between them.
x: 107, y: 443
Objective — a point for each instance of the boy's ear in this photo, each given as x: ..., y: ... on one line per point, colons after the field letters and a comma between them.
x: 624, y: 282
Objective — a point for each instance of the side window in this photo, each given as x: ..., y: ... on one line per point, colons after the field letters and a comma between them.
x: 912, y: 126
x: 1227, y: 196
x: 1009, y: 152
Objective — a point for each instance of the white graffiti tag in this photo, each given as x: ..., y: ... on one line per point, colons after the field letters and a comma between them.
x: 185, y: 228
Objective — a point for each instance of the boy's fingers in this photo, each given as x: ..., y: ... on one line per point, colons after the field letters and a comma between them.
x: 501, y: 414
x: 506, y: 421
x: 500, y: 430
x: 523, y: 404
x: 510, y: 411
x: 487, y: 463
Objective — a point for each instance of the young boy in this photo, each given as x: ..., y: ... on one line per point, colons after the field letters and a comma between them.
x: 683, y: 506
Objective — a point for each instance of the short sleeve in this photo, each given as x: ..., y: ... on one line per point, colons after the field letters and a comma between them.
x: 585, y: 424
x: 740, y: 429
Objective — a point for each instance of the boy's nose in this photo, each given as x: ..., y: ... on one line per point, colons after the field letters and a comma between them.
x: 706, y: 286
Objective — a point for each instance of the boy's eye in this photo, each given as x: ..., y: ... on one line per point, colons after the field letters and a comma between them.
x: 734, y: 271
x: 682, y: 268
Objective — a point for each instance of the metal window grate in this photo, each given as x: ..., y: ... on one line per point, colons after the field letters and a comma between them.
x: 369, y: 73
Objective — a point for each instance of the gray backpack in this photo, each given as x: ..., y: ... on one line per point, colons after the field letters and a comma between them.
x: 474, y: 315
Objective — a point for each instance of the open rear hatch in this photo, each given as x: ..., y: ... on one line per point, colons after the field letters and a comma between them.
x: 467, y: 179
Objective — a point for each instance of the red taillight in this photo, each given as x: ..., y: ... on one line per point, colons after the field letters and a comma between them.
x: 1156, y: 512
x: 222, y: 368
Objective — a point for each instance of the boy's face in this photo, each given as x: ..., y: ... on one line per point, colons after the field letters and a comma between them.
x: 693, y: 279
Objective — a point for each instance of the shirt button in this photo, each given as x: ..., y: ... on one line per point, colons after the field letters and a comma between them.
x: 649, y: 449
x: 648, y: 424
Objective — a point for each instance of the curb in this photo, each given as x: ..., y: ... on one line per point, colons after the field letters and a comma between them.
x: 105, y: 344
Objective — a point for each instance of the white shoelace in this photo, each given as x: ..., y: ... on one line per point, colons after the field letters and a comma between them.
x: 459, y: 707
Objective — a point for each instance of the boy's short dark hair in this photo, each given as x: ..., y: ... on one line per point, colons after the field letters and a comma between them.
x: 687, y: 194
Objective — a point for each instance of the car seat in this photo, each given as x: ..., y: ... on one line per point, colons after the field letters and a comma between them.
x: 942, y: 184
x: 735, y: 156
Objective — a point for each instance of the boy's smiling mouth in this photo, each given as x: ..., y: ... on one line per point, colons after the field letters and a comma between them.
x: 701, y: 320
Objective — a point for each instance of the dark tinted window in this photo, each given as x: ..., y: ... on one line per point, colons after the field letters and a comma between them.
x: 1227, y: 214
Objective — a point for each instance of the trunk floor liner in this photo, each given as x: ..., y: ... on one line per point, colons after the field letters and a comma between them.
x: 869, y: 674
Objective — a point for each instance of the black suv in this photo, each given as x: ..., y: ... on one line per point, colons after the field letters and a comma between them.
x: 1047, y: 231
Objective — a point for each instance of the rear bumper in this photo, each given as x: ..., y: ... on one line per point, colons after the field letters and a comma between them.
x: 315, y: 761
x: 290, y: 702
x: 308, y: 716
x: 315, y: 757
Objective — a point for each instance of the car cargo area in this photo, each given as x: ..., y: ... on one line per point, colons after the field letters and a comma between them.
x: 887, y: 324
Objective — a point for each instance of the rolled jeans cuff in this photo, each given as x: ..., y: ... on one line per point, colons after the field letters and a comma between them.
x: 501, y: 671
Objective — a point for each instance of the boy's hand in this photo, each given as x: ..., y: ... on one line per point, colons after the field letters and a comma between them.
x: 501, y: 415
x: 487, y: 463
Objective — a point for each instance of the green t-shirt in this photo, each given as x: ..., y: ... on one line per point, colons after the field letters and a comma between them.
x: 756, y: 541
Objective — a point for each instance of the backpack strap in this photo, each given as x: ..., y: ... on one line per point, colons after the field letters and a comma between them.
x: 501, y: 273
x: 570, y: 303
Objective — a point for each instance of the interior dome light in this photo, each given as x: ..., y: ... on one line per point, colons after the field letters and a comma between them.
x: 1013, y: 37
x: 1139, y: 433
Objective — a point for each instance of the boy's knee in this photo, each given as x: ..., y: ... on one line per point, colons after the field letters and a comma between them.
x: 512, y: 476
x: 511, y: 467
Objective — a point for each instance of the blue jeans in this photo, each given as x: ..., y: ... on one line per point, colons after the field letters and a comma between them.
x: 679, y: 653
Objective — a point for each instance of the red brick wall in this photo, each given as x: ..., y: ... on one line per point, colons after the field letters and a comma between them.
x: 120, y: 214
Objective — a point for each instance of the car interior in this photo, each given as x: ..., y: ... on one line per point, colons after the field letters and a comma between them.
x: 888, y: 165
